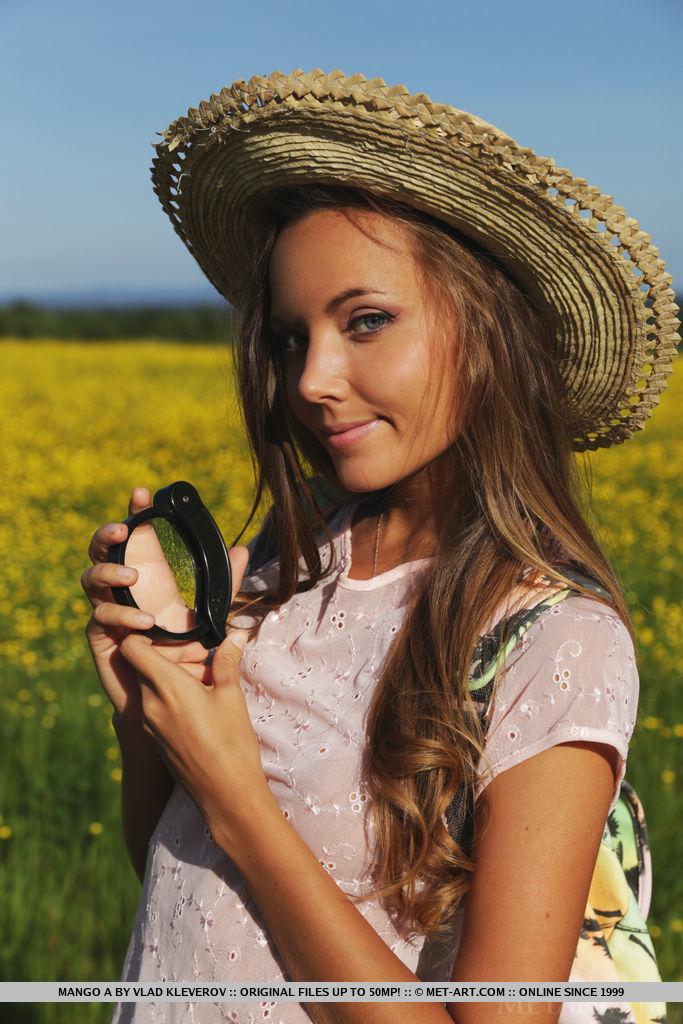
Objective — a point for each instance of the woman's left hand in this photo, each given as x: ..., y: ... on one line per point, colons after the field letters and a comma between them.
x: 203, y: 730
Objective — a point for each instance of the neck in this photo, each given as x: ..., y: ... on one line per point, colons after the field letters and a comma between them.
x: 410, y: 510
x: 394, y: 532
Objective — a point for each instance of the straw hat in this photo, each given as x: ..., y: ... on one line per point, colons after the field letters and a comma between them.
x: 595, y: 276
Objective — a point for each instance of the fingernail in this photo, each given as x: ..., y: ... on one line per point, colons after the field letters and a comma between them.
x: 144, y: 620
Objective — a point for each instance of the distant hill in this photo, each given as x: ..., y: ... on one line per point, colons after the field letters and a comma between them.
x: 117, y: 298
x: 207, y: 322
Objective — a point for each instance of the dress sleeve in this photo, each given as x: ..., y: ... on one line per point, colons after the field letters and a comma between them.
x: 573, y: 676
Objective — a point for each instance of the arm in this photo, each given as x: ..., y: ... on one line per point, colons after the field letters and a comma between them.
x: 319, y: 932
x: 535, y: 865
x: 535, y: 861
x: 146, y: 785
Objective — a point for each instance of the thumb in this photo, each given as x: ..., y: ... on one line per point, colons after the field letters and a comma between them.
x: 227, y: 657
x: 239, y: 560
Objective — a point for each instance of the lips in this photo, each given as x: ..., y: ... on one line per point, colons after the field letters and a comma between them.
x: 341, y: 428
x: 345, y: 438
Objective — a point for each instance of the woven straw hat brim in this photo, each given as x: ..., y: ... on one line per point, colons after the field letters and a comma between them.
x: 593, y: 273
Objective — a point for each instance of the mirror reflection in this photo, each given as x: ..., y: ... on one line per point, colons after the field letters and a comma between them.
x: 159, y: 553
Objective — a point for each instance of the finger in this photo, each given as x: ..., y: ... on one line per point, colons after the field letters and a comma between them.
x: 140, y: 498
x: 159, y: 672
x: 107, y: 613
x: 200, y: 671
x: 98, y: 580
x: 115, y: 533
x: 227, y: 657
x: 239, y: 559
x: 102, y: 540
x: 188, y: 653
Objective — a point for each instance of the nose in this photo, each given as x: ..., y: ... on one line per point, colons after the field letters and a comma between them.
x: 325, y: 368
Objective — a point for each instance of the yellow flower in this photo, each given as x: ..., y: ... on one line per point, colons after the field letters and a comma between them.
x: 651, y: 722
x: 677, y: 925
x: 655, y: 931
x: 678, y: 728
x: 116, y: 774
x: 94, y: 700
x: 5, y: 832
x: 667, y: 776
x: 24, y: 695
x: 47, y: 721
x: 112, y: 753
x: 96, y: 828
x: 48, y: 695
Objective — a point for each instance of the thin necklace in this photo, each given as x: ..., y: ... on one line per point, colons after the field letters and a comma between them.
x: 374, y: 567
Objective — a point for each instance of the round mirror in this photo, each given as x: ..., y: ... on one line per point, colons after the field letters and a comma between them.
x: 166, y: 583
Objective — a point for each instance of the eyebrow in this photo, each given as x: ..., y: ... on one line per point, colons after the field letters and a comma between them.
x: 333, y: 304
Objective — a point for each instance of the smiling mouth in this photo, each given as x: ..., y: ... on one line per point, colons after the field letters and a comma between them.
x: 349, y: 437
x: 342, y: 429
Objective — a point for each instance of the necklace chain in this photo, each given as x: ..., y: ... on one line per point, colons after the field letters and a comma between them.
x: 379, y: 521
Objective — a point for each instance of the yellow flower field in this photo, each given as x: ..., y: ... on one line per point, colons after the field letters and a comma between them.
x: 84, y: 423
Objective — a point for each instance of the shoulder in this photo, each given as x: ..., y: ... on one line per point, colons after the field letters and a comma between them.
x: 545, y: 623
x: 575, y: 646
x: 572, y: 677
x: 585, y: 625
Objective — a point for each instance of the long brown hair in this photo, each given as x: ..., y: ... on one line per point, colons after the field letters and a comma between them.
x: 521, y: 507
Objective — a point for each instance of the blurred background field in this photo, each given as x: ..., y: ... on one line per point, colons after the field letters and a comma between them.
x: 84, y: 424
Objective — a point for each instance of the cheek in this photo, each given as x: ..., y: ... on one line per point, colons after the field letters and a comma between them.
x: 401, y: 380
x: 422, y: 397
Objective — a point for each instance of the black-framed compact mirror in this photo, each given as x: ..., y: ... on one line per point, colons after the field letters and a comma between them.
x: 178, y: 543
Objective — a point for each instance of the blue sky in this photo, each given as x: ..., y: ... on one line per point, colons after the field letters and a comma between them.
x: 86, y: 86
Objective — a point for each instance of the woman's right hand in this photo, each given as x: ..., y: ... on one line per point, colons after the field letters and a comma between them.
x: 110, y: 622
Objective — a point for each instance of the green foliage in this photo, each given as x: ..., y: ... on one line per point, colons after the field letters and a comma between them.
x: 201, y: 323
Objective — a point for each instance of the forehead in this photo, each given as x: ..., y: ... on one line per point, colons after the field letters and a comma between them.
x: 337, y: 243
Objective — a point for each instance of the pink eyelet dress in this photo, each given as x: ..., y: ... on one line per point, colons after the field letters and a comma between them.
x: 308, y: 678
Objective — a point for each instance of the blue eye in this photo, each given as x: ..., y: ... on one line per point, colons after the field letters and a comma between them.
x: 382, y: 317
x: 375, y: 321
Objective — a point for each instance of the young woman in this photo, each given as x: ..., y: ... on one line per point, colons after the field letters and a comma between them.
x: 423, y: 321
